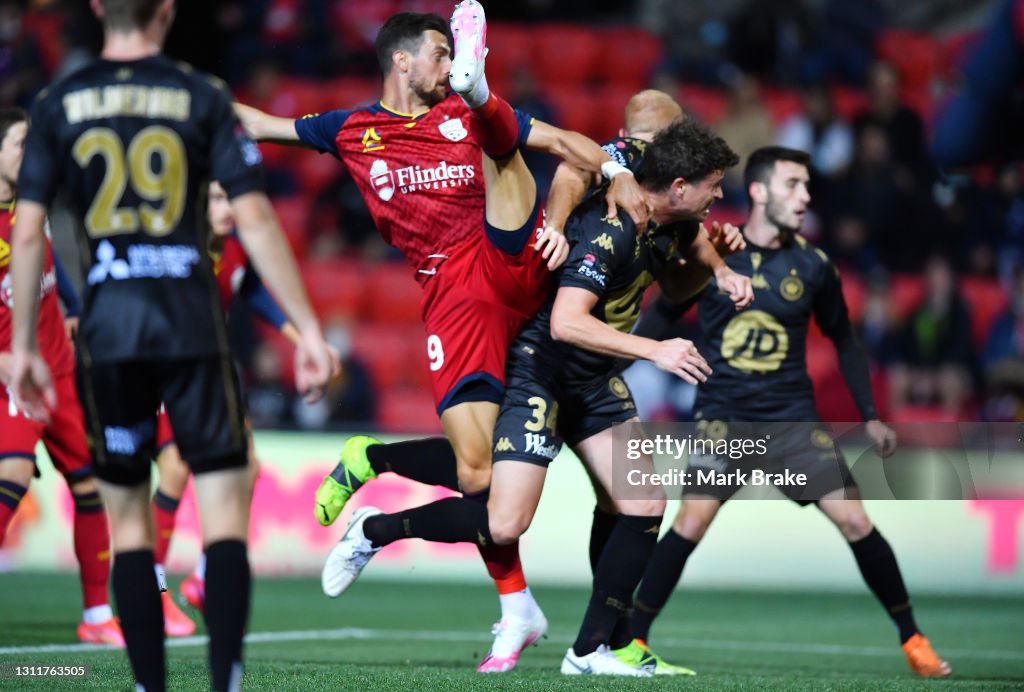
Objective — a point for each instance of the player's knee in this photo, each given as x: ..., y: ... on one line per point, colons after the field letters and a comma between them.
x: 83, y: 486
x: 507, y: 529
x: 854, y: 526
x: 474, y: 468
x: 692, y: 523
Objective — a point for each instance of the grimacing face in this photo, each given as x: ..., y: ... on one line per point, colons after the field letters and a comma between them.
x: 429, y: 68
x: 699, y: 196
x: 787, y: 195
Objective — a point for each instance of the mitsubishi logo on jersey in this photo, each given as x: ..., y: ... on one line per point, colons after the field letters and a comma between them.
x: 382, y: 179
x: 418, y: 178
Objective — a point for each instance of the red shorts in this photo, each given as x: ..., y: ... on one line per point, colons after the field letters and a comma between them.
x: 64, y: 437
x: 474, y: 306
x: 164, y: 432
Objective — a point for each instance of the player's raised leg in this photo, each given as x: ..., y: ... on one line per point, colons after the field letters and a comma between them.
x: 881, y: 573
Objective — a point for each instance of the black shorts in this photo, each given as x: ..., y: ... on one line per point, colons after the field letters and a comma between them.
x: 203, y: 401
x: 540, y: 412
x: 801, y: 458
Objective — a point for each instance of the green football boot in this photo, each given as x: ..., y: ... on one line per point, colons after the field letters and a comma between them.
x: 348, y: 476
x: 639, y: 655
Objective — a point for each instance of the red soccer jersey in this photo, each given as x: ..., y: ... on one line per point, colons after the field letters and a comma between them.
x: 420, y: 177
x: 53, y: 341
x: 229, y: 266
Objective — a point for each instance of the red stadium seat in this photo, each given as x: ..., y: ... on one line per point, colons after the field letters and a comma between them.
x: 510, y: 47
x: 707, y: 105
x: 905, y: 292
x: 629, y: 57
x: 986, y: 301
x: 848, y: 102
x: 914, y: 55
x: 314, y: 171
x: 392, y: 294
x: 407, y: 410
x: 391, y: 353
x: 565, y: 54
x: 954, y: 50
x: 336, y: 287
x: 293, y: 213
x: 780, y: 103
x: 576, y: 108
x: 349, y: 93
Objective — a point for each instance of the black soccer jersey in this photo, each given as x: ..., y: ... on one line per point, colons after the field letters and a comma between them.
x: 610, y: 259
x: 132, y: 144
x: 758, y: 355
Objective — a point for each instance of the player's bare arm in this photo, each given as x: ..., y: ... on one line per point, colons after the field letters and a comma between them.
x: 264, y: 127
x: 573, y: 323
x: 30, y: 379
x: 264, y: 242
x: 736, y: 285
x: 568, y: 188
x: 584, y: 154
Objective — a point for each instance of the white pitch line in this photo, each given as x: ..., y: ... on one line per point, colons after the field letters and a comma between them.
x: 447, y: 636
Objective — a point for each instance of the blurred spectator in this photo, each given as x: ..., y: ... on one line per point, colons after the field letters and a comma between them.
x: 997, y: 220
x: 903, y: 128
x: 349, y: 401
x: 746, y: 127
x: 877, y: 331
x: 270, y: 402
x: 21, y: 64
x: 848, y: 34
x: 1003, y: 360
x: 936, y: 360
x: 769, y: 39
x: 341, y: 222
x: 523, y: 93
x: 264, y: 90
x: 820, y: 132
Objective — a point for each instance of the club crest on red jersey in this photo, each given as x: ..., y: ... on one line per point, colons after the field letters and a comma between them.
x: 453, y: 130
x: 382, y: 179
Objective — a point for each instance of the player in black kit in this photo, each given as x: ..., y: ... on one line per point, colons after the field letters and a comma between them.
x: 563, y: 383
x: 132, y: 138
x: 760, y: 376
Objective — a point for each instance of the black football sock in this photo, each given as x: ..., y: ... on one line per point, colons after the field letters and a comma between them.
x: 142, y: 617
x: 878, y: 566
x: 618, y: 572
x: 451, y: 520
x: 430, y: 461
x: 228, y: 583
x: 660, y: 579
x: 600, y: 530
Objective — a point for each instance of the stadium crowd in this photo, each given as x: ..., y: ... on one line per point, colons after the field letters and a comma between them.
x: 931, y: 261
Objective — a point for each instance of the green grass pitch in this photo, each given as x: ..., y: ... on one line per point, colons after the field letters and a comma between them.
x: 412, y: 636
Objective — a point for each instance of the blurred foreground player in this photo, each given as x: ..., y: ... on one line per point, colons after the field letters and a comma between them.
x: 443, y: 178
x: 236, y: 279
x: 760, y: 375
x: 64, y: 435
x: 132, y: 137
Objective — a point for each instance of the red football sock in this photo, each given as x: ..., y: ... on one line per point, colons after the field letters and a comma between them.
x: 504, y: 567
x: 494, y: 127
x: 165, y: 508
x: 10, y: 496
x: 92, y: 548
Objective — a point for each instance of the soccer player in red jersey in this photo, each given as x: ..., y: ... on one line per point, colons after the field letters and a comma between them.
x: 445, y: 183
x: 236, y: 279
x: 64, y: 435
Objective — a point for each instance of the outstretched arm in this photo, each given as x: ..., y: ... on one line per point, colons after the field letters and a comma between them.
x: 264, y: 127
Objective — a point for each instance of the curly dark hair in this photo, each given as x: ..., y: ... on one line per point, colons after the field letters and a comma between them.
x: 404, y: 31
x: 685, y: 149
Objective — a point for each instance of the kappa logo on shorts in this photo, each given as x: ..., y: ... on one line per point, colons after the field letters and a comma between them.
x: 453, y: 130
x: 604, y: 241
x: 504, y: 445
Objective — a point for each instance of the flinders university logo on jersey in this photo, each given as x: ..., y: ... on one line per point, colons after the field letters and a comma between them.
x: 418, y: 178
x: 453, y: 130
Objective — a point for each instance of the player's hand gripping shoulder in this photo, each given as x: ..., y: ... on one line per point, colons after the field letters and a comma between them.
x: 553, y: 246
x: 725, y: 238
x: 681, y: 358
x: 624, y: 191
x: 737, y: 286
x: 883, y: 436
